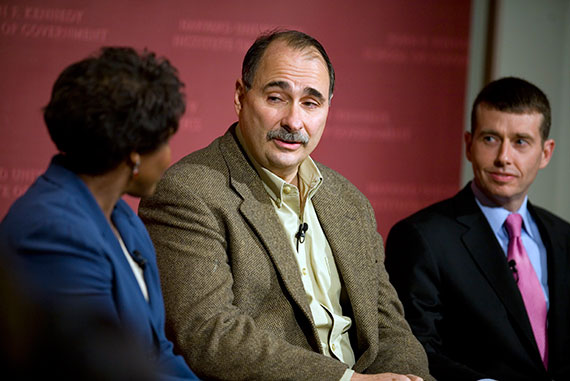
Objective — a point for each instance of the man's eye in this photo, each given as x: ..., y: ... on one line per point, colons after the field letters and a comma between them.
x: 273, y: 99
x: 488, y: 139
x: 310, y: 103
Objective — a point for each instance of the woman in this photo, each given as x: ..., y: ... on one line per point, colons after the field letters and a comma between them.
x: 111, y: 117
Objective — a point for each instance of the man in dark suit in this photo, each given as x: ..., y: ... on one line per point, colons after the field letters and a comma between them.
x: 262, y: 279
x: 480, y: 311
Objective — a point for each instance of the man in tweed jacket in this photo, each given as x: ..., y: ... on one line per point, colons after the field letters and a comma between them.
x: 248, y: 295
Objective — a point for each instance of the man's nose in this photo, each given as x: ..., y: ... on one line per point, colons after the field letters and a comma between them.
x: 504, y: 155
x: 293, y: 118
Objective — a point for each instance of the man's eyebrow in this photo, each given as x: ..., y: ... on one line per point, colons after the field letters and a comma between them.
x: 286, y: 86
x: 487, y: 131
x: 281, y: 84
x: 524, y: 135
x: 518, y: 135
x: 315, y: 93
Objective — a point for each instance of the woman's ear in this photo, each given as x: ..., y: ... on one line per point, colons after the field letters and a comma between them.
x: 135, y: 162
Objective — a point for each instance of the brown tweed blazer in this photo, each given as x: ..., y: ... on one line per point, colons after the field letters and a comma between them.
x: 235, y: 303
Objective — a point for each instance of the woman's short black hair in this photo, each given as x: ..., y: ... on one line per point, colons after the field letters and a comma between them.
x: 114, y: 103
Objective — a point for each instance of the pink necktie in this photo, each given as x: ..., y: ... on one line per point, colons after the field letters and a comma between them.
x: 528, y: 283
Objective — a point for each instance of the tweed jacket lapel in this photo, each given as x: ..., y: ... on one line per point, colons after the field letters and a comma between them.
x: 482, y: 245
x: 259, y: 212
x: 345, y: 234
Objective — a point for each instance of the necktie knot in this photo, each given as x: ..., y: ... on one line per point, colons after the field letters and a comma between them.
x: 513, y: 224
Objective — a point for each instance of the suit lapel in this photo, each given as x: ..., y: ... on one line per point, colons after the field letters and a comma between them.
x: 128, y: 230
x: 557, y: 262
x: 482, y: 245
x: 259, y: 212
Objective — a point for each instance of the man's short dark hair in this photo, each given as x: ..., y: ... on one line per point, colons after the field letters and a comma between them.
x: 514, y: 95
x: 111, y: 104
x: 292, y: 38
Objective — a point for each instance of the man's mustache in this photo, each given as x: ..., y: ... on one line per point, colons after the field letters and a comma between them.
x: 287, y: 136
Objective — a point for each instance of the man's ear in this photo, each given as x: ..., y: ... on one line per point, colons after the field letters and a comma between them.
x: 238, y: 95
x: 468, y: 140
x: 547, y: 151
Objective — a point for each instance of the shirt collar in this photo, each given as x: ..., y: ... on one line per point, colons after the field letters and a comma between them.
x: 310, y: 178
x: 496, y: 215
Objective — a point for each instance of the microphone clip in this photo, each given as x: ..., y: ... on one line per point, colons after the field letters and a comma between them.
x: 300, y: 235
x: 139, y: 259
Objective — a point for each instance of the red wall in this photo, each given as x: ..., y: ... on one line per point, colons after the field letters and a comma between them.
x: 396, y: 121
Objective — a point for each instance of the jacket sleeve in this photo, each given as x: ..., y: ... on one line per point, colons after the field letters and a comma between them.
x: 217, y: 339
x: 415, y: 274
x: 68, y: 264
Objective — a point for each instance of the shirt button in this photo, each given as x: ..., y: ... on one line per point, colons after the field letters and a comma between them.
x: 304, y: 271
x: 286, y: 189
x: 333, y: 347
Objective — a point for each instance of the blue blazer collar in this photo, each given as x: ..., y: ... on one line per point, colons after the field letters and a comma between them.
x: 123, y: 217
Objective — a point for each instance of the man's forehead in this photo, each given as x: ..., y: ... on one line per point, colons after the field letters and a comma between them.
x: 281, y: 59
x: 518, y: 111
x: 523, y: 118
x: 282, y: 44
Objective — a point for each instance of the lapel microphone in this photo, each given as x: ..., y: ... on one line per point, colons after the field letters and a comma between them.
x: 139, y: 259
x: 300, y: 235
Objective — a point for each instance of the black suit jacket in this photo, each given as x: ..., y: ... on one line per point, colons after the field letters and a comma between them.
x: 462, y: 302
